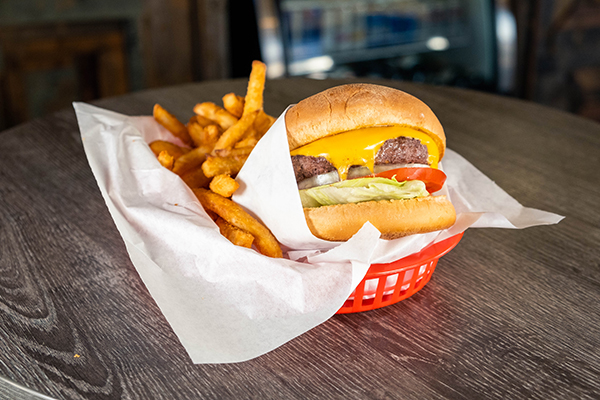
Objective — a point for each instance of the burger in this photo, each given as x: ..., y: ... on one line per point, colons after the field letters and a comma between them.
x: 364, y: 152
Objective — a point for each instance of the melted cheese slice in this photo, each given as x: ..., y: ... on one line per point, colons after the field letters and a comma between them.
x: 359, y: 147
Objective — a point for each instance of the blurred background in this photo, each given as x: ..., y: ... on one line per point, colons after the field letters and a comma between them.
x: 53, y: 52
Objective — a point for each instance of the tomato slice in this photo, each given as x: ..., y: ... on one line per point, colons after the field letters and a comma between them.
x: 434, y: 178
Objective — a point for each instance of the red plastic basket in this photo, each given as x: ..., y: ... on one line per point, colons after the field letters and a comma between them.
x: 390, y: 283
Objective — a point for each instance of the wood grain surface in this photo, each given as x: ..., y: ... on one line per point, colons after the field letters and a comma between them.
x: 508, y: 314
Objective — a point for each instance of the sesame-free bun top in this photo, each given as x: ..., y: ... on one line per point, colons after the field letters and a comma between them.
x: 360, y: 105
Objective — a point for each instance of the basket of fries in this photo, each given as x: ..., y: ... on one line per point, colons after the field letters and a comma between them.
x: 217, y: 140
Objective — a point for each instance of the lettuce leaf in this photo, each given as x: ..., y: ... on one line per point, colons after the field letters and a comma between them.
x: 361, y: 189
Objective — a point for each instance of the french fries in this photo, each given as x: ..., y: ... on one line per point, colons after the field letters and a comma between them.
x: 236, y: 152
x: 195, y: 178
x: 235, y: 235
x: 215, y: 165
x: 166, y: 160
x: 234, y: 104
x: 211, y: 134
x: 263, y: 122
x: 204, y: 136
x: 224, y: 185
x: 264, y: 240
x: 190, y: 160
x: 199, y: 119
x: 215, y: 113
x: 221, y: 139
x: 256, y: 86
x: 172, y: 124
x: 236, y: 132
x: 161, y: 145
x: 196, y: 132
x: 249, y: 141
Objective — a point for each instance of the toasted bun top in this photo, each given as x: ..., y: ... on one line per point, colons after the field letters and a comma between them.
x: 354, y: 106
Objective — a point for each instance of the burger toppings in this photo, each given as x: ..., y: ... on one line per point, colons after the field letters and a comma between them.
x: 362, y: 189
x: 359, y: 147
x: 432, y: 178
x: 394, y: 153
x: 366, y: 164
x: 358, y: 171
x: 402, y: 150
x: 308, y: 166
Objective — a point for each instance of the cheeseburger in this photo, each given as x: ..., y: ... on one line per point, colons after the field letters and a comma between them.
x: 365, y: 152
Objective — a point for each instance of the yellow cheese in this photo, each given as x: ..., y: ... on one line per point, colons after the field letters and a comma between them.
x: 359, y: 147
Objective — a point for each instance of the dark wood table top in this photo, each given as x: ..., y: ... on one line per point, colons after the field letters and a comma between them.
x: 507, y: 314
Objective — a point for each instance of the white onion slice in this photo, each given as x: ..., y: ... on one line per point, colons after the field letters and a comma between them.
x: 386, y: 167
x: 358, y: 171
x: 319, y: 180
x: 355, y: 172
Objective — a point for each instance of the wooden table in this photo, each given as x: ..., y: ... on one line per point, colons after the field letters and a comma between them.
x: 507, y: 314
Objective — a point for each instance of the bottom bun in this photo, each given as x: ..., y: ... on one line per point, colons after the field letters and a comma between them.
x: 393, y: 218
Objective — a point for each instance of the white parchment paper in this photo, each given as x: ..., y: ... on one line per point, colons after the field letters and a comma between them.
x: 231, y: 304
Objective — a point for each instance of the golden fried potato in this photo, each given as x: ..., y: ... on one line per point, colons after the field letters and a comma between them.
x: 175, y: 151
x: 236, y: 152
x: 256, y: 86
x: 196, y: 132
x: 234, y: 104
x: 247, y: 142
x: 235, y: 235
x: 224, y: 185
x: 264, y: 240
x: 213, y: 215
x: 165, y: 159
x: 215, y: 113
x: 236, y: 132
x: 263, y: 122
x: 212, y: 133
x: 202, y: 121
x: 195, y: 178
x: 190, y: 160
x: 215, y: 165
x: 172, y: 124
x: 250, y: 138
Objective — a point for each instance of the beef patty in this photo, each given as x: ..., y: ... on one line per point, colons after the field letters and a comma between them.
x: 402, y: 150
x: 307, y: 166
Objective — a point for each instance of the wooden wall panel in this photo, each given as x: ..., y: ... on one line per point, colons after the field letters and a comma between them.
x: 166, y: 42
x: 185, y: 40
x: 212, y: 46
x: 92, y: 56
